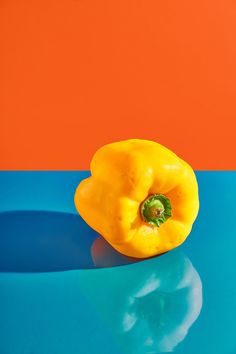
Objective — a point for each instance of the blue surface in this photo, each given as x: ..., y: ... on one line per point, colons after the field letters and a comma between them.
x: 183, y: 301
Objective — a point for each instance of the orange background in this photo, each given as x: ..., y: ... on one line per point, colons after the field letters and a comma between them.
x: 76, y: 74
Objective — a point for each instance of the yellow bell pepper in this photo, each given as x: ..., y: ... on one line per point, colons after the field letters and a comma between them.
x: 141, y: 197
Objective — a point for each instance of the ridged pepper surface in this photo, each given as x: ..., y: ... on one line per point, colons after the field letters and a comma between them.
x: 141, y: 197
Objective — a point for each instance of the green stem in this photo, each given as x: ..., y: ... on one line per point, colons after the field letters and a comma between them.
x: 155, y: 209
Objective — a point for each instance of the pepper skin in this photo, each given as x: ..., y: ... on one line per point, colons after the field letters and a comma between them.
x: 141, y: 197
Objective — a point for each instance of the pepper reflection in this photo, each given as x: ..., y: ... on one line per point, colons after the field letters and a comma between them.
x: 150, y: 305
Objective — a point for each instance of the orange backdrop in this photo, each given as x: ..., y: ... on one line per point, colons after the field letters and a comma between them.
x: 76, y: 74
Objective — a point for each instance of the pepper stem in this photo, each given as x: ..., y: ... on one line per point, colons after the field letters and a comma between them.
x: 155, y: 209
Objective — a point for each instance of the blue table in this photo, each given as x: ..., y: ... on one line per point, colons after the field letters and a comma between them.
x: 64, y: 290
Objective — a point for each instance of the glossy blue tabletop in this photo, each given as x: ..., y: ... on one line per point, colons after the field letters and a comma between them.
x: 64, y: 290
